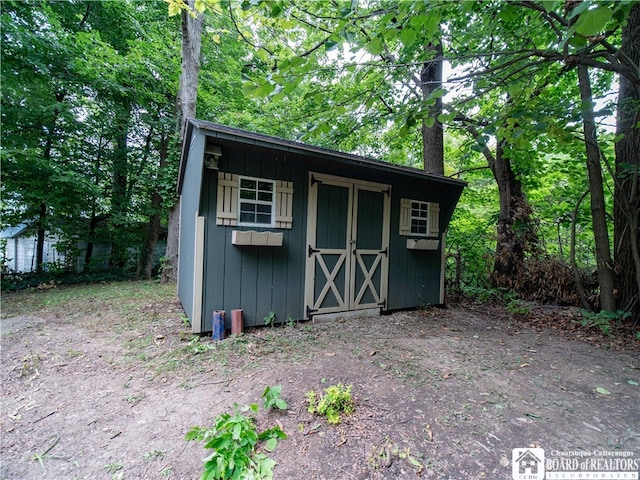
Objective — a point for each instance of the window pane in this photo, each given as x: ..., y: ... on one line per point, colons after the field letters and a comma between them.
x: 418, y: 226
x: 247, y: 217
x: 263, y: 208
x: 245, y: 183
x: 256, y: 201
x: 265, y: 186
x: 247, y: 207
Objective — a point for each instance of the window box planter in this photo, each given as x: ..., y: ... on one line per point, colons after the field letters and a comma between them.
x: 258, y: 239
x: 422, y: 244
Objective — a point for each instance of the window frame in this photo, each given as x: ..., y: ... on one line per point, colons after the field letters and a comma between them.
x: 426, y: 218
x: 272, y: 203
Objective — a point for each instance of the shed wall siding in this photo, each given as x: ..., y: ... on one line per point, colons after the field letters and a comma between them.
x: 256, y: 279
x: 189, y: 205
x: 259, y: 280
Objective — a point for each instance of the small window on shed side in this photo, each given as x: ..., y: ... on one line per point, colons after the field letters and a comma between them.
x: 418, y: 218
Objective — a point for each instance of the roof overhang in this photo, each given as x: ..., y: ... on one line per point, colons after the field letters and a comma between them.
x: 240, y: 136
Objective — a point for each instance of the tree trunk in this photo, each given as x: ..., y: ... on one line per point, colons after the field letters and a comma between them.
x: 145, y: 269
x: 515, y: 232
x: 186, y: 108
x: 119, y: 200
x: 42, y: 207
x: 626, y: 231
x: 41, y: 234
x: 598, y: 212
x: 88, y: 254
x: 572, y: 256
x: 433, y: 137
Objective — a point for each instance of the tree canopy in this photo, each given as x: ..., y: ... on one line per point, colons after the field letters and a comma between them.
x: 89, y: 111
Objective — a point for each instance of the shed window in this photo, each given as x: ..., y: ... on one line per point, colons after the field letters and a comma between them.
x: 256, y: 201
x: 418, y: 218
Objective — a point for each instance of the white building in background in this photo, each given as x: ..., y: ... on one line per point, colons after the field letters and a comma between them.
x: 18, y: 246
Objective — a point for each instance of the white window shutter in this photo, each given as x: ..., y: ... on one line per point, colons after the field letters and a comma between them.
x: 434, y: 219
x: 405, y: 216
x: 284, y: 204
x: 227, y: 208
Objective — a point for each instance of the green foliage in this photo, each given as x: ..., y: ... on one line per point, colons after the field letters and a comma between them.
x: 41, y: 280
x: 335, y: 402
x: 270, y: 319
x: 199, y: 345
x: 482, y: 294
x: 234, y: 440
x: 603, y: 320
x: 271, y: 398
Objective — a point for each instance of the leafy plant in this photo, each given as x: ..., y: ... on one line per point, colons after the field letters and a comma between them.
x: 197, y: 346
x: 271, y: 398
x: 234, y: 441
x: 335, y: 402
x: 516, y: 305
x: 270, y: 319
x: 603, y: 319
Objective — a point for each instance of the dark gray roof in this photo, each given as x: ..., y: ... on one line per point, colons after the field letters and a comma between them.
x: 258, y: 139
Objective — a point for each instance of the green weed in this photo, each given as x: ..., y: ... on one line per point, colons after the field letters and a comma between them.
x: 603, y: 320
x: 335, y: 403
x: 40, y: 457
x: 234, y: 441
x: 271, y: 398
x: 270, y: 319
x: 113, y: 467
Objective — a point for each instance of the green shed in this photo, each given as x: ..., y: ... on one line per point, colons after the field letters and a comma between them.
x: 272, y: 225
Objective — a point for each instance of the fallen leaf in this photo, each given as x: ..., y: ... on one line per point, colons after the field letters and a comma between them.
x: 524, y: 365
x: 373, y: 353
x: 632, y: 382
x: 330, y: 354
x: 603, y: 391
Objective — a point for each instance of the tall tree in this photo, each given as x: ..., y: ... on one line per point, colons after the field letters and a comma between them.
x: 42, y: 181
x: 432, y: 129
x: 596, y: 190
x: 627, y: 172
x: 191, y: 22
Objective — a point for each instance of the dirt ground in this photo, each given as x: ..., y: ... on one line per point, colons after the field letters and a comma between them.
x: 440, y: 394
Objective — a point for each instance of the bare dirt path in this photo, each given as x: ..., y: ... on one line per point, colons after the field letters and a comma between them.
x: 110, y: 389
